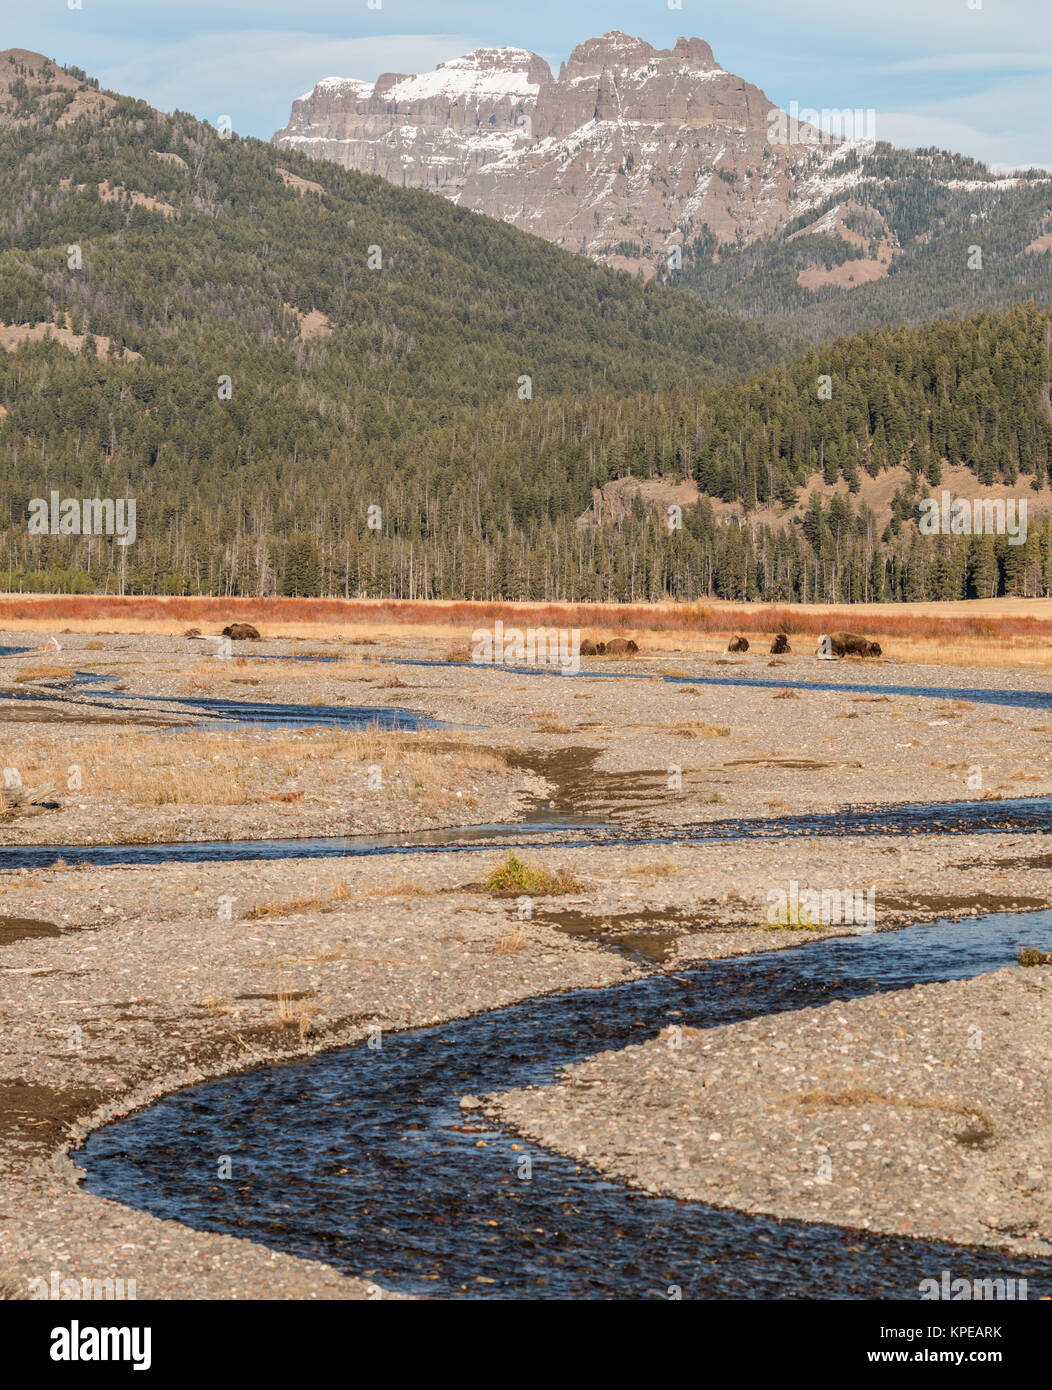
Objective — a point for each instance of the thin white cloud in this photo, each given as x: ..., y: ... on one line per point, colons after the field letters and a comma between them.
x: 902, y: 25
x: 973, y: 62
x: 215, y: 59
x: 1004, y: 125
x: 255, y: 75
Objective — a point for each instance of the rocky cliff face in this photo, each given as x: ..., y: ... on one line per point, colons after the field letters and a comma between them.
x: 628, y: 153
x: 429, y: 131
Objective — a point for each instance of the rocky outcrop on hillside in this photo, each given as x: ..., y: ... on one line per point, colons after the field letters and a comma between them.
x: 35, y: 91
x: 628, y: 153
x: 614, y: 501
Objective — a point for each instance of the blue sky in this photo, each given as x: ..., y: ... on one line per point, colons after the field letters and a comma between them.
x: 976, y: 80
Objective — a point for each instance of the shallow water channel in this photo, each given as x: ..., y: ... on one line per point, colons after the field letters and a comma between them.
x: 257, y: 713
x: 362, y: 1157
x: 547, y: 830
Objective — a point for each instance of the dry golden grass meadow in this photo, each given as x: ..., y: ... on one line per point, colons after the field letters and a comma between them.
x: 1012, y: 632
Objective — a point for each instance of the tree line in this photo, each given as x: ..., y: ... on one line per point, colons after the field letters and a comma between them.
x: 445, y: 429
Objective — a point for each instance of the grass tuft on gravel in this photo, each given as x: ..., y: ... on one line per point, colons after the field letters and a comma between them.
x: 44, y: 672
x: 514, y: 876
x: 1030, y: 955
x: 792, y: 919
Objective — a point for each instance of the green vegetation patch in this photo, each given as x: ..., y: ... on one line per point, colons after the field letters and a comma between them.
x: 513, y: 876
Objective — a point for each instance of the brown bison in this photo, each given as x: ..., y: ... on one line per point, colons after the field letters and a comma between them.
x: 618, y: 646
x: 847, y: 644
x: 738, y: 644
x: 588, y: 647
x: 241, y: 632
x: 780, y: 645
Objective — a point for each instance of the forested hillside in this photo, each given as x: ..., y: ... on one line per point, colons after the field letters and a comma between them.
x: 263, y: 351
x: 931, y: 209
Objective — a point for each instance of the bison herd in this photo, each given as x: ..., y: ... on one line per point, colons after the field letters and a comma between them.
x: 617, y: 646
x: 779, y: 646
x: 237, y: 632
x: 832, y: 645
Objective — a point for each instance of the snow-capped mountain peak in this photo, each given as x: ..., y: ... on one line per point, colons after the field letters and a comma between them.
x: 630, y: 151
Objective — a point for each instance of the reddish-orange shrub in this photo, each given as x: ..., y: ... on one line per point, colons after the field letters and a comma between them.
x: 687, y: 617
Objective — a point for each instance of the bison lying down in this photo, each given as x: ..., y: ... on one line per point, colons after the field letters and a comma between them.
x: 847, y: 644
x: 241, y: 632
x: 618, y: 646
x: 738, y: 644
x: 780, y: 646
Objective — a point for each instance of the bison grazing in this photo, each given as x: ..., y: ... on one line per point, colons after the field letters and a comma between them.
x: 241, y: 632
x: 620, y: 647
x: 738, y: 644
x: 780, y: 645
x: 847, y: 644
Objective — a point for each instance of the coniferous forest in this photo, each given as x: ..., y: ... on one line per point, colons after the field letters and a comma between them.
x: 314, y: 383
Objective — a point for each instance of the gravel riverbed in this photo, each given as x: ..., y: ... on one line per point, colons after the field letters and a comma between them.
x: 923, y: 1112
x: 120, y: 984
x: 647, y: 752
